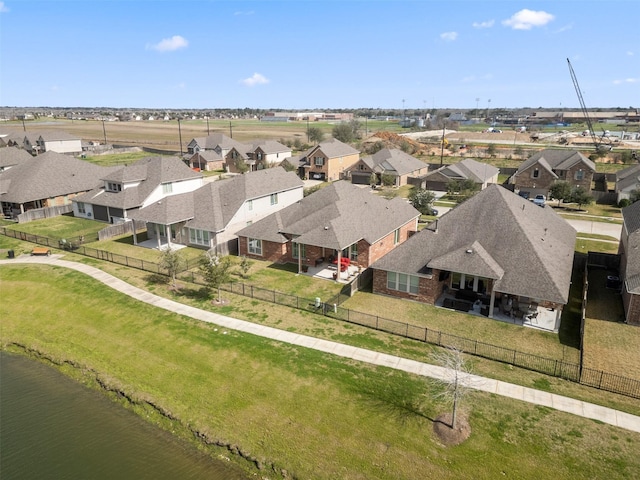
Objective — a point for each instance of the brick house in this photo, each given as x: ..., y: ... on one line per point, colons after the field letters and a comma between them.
x: 493, y: 248
x: 543, y: 169
x: 479, y: 173
x: 387, y: 161
x: 338, y: 221
x: 630, y: 263
x: 327, y: 160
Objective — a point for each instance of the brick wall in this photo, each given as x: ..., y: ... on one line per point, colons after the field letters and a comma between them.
x: 525, y: 180
x: 383, y: 246
x: 429, y: 289
x: 271, y: 251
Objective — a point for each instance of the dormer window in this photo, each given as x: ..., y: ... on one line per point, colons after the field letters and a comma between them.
x: 114, y: 187
x: 580, y: 175
x: 535, y: 173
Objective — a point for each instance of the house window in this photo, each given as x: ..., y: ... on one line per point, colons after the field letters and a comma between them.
x: 250, y: 204
x: 295, y: 247
x: 259, y: 156
x: 249, y: 222
x: 255, y: 246
x: 81, y: 207
x: 274, y: 199
x: 361, y: 167
x: 167, y: 188
x: 114, y: 187
x: 199, y: 237
x: 580, y: 175
x: 403, y: 282
x: 535, y: 173
x: 319, y: 161
x: 396, y: 237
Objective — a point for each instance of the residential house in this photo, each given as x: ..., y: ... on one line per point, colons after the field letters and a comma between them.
x: 12, y: 156
x: 496, y: 252
x: 328, y: 160
x: 629, y: 251
x: 217, y: 142
x: 60, y: 142
x: 482, y: 174
x: 210, y: 216
x: 206, y: 161
x: 11, y: 140
x: 393, y: 162
x: 335, y: 222
x: 267, y: 153
x: 135, y: 186
x: 627, y: 180
x: 536, y: 174
x: 51, y: 179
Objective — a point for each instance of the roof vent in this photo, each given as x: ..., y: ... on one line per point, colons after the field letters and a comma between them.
x: 469, y: 250
x: 326, y: 228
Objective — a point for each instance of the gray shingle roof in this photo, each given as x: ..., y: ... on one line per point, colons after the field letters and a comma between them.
x: 11, y: 156
x: 553, y: 159
x: 49, y: 175
x: 149, y: 171
x: 628, y: 177
x: 269, y: 146
x: 532, y: 246
x: 212, y: 206
x: 394, y: 160
x: 631, y: 220
x: 335, y: 217
x: 219, y: 140
x: 332, y: 148
x: 466, y: 169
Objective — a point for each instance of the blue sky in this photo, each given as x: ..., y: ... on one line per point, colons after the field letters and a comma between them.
x: 302, y: 54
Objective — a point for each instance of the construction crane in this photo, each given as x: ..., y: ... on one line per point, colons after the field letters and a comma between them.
x: 599, y: 143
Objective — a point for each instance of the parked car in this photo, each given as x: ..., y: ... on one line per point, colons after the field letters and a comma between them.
x: 540, y: 200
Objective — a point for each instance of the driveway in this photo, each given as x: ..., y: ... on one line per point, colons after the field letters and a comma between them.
x: 600, y: 228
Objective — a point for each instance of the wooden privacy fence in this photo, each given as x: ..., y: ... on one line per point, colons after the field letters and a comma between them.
x: 554, y: 367
x: 46, y: 212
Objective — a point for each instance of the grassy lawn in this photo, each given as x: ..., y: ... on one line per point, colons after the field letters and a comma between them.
x: 584, y: 246
x: 284, y: 278
x: 61, y: 227
x: 571, y: 210
x: 311, y: 413
x: 483, y: 329
x: 609, y: 344
x: 110, y: 160
x: 124, y: 246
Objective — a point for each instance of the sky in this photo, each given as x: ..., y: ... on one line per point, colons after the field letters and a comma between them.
x: 327, y: 54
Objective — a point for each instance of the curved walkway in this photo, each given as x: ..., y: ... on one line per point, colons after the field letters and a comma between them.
x: 537, y: 397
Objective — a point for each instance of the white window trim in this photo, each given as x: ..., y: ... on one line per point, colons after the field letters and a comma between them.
x: 394, y: 283
x: 257, y: 249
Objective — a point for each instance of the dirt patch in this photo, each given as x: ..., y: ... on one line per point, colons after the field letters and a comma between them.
x: 451, y: 436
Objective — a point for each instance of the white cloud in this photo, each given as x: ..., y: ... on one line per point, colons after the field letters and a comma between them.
x: 565, y: 28
x: 241, y: 13
x: 487, y: 24
x: 3, y: 8
x: 527, y: 19
x: 255, y: 79
x: 449, y: 36
x: 626, y: 80
x: 169, y: 44
x: 473, y: 78
x: 630, y: 53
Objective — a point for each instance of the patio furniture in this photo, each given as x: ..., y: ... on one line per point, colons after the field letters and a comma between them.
x: 344, y: 263
x: 319, y: 261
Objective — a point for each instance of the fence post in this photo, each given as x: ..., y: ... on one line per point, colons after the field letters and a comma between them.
x: 377, y: 318
x: 406, y: 331
x: 555, y: 369
x: 600, y: 382
x: 251, y: 291
x: 513, y: 362
x: 439, y: 337
x: 426, y: 330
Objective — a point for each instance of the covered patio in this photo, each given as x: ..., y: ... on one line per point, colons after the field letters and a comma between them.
x: 328, y: 271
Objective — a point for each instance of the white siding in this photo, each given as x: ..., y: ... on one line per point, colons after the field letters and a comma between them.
x: 63, y: 146
x: 177, y: 187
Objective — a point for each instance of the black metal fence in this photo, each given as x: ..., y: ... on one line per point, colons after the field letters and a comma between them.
x: 548, y: 366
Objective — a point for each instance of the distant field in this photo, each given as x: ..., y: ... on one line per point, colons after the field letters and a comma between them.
x: 166, y: 135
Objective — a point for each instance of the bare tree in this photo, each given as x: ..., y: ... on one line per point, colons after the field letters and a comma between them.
x: 453, y: 361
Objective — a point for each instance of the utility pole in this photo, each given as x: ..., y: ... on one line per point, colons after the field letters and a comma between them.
x: 104, y: 132
x: 444, y: 123
x: 308, y: 129
x: 230, y: 130
x: 180, y: 134
x: 208, y: 125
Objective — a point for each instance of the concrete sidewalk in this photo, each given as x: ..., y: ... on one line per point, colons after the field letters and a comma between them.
x: 537, y: 397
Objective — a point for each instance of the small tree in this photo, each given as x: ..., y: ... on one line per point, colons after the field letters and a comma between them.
x: 172, y: 262
x: 216, y: 271
x: 422, y: 199
x: 455, y: 379
x: 634, y: 195
x: 581, y: 197
x: 373, y: 179
x: 388, y: 180
x: 343, y: 132
x: 519, y: 151
x: 560, y: 191
x: 245, y: 266
x: 241, y: 166
x: 315, y: 135
x: 491, y: 150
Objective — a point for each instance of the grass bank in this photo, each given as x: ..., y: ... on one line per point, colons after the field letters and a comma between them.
x: 315, y: 415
